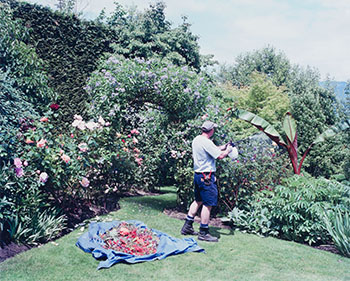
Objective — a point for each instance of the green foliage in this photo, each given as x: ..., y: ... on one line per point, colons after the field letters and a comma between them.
x: 260, y: 166
x: 62, y: 171
x: 261, y: 97
x: 294, y: 210
x: 14, y: 110
x: 70, y: 48
x: 26, y: 216
x: 314, y: 107
x: 290, y: 131
x: 121, y: 83
x: 148, y: 34
x: 20, y: 62
x: 338, y: 226
x: 275, y: 65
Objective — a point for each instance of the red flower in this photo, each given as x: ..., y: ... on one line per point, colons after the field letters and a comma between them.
x: 54, y: 106
x: 123, y: 140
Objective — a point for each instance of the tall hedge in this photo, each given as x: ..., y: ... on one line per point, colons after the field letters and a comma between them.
x: 70, y: 48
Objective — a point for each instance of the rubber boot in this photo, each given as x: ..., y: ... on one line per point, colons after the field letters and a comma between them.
x: 187, y: 228
x: 205, y: 236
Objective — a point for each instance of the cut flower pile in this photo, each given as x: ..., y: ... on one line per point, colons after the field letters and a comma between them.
x: 128, y: 238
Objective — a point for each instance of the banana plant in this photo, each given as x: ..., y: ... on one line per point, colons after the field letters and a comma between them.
x: 290, y: 129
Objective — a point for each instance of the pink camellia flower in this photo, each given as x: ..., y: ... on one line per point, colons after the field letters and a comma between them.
x: 41, y: 143
x: 43, y: 177
x: 25, y: 163
x: 44, y: 119
x: 17, y: 162
x: 19, y: 172
x: 205, y: 116
x: 72, y: 136
x: 138, y: 160
x: 108, y: 124
x: 134, y: 132
x: 134, y: 140
x: 29, y: 141
x: 83, y: 147
x: 65, y: 158
x: 84, y: 182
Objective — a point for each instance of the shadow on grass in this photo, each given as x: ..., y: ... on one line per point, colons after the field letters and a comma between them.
x: 217, y: 232
x: 158, y: 202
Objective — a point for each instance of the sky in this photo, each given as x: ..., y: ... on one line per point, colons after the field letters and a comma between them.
x: 312, y: 33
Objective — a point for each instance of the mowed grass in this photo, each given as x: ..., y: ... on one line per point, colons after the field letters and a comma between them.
x: 237, y: 256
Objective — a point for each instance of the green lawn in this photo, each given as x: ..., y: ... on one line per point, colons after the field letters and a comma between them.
x: 237, y: 256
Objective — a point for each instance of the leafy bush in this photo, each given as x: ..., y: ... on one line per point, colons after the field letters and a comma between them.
x: 123, y: 83
x: 294, y: 210
x: 63, y: 172
x: 338, y: 226
x: 25, y: 216
x: 20, y: 62
x: 156, y: 98
x: 261, y: 165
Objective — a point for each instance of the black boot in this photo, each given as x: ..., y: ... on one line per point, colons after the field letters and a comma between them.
x: 187, y: 228
x: 205, y: 236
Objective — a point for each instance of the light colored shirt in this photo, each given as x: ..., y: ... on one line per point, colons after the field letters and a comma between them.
x: 204, y: 153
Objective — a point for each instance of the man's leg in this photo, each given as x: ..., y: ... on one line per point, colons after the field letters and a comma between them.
x: 194, y: 208
x: 205, y: 214
x: 187, y: 228
x: 204, y: 227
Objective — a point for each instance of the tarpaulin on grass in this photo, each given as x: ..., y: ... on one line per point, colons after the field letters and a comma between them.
x: 91, y: 242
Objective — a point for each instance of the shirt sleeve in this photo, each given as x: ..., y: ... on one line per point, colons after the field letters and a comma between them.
x: 212, y: 149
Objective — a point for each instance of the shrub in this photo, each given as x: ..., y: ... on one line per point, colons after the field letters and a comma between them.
x: 261, y: 165
x: 123, y: 83
x: 63, y: 172
x: 294, y: 210
x: 155, y: 97
x: 338, y: 227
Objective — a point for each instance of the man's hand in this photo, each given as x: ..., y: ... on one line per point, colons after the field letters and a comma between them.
x: 226, y: 151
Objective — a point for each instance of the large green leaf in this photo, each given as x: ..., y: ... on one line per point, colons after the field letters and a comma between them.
x: 261, y: 124
x: 332, y: 131
x: 290, y: 127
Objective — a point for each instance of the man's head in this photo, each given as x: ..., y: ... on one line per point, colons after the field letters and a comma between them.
x: 208, y: 127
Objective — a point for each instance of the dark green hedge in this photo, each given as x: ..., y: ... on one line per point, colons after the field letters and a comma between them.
x: 70, y: 47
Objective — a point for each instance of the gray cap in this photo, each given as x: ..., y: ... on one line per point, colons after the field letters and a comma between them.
x: 208, y: 125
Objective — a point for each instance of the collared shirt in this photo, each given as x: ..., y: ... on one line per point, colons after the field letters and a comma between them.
x: 204, y: 153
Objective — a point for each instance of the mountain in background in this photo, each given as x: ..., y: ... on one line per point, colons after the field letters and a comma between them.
x: 339, y: 88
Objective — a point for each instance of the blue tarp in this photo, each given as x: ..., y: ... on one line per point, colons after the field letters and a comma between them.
x: 90, y: 242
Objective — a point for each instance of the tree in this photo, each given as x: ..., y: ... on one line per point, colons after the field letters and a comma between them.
x: 148, y: 34
x: 262, y: 97
x: 275, y: 65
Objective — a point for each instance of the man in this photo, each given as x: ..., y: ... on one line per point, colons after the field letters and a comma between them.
x: 205, y: 152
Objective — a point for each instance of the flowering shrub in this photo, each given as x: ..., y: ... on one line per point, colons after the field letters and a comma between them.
x: 127, y: 238
x: 120, y: 83
x: 64, y: 170
x: 155, y: 98
x: 261, y: 165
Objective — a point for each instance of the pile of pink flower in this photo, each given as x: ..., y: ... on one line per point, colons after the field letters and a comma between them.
x: 128, y: 238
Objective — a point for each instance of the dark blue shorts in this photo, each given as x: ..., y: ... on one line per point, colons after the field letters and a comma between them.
x: 208, y: 194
